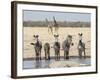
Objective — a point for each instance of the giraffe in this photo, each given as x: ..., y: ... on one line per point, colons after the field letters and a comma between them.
x: 50, y: 26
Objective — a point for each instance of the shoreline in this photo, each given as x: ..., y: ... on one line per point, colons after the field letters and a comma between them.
x: 53, y: 57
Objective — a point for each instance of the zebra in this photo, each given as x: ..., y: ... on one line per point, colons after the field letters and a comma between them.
x: 37, y: 47
x: 66, y: 46
x: 56, y: 47
x: 47, y: 51
x: 81, y: 46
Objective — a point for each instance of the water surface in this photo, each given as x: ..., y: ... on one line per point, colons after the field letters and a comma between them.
x: 33, y: 64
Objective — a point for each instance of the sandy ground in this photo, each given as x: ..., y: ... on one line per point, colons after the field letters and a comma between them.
x: 44, y: 36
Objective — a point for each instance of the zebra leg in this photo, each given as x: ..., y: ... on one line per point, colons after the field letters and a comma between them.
x: 48, y: 55
x: 84, y: 54
x: 67, y: 54
x: 80, y: 54
x: 45, y: 54
x: 36, y: 56
x: 55, y: 55
x: 40, y: 55
x: 64, y: 55
x: 59, y: 55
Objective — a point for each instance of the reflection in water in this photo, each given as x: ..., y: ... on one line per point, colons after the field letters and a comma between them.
x: 38, y: 64
x: 33, y: 64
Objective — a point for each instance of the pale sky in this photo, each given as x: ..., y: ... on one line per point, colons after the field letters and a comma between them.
x: 31, y: 15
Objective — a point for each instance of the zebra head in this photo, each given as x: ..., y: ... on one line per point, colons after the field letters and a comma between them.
x: 36, y: 37
x: 80, y: 36
x: 69, y: 39
x: 35, y: 40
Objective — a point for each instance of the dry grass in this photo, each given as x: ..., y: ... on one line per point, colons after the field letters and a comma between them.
x: 44, y: 36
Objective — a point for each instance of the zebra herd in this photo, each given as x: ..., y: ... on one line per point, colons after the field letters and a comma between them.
x: 56, y: 46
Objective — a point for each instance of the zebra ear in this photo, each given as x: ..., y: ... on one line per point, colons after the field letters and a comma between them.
x: 32, y: 43
x: 54, y: 35
x: 33, y: 35
x: 81, y: 34
x: 36, y: 36
x: 57, y: 35
x: 70, y: 36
